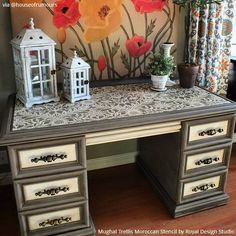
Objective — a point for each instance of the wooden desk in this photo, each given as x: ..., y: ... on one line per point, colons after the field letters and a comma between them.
x: 184, y: 144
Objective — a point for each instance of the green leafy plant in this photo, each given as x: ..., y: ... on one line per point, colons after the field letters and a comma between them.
x: 160, y: 65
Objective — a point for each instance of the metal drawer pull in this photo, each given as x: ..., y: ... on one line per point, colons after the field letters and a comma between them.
x: 203, y: 188
x: 211, y: 132
x: 49, y: 158
x: 55, y: 222
x: 52, y: 191
x: 207, y: 161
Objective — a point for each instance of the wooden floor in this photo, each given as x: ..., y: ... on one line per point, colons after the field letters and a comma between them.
x: 122, y: 199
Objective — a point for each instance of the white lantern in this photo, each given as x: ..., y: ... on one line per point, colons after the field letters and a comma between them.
x: 76, y: 79
x: 35, y: 66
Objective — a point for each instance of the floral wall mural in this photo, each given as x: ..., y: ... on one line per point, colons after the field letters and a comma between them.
x: 116, y: 37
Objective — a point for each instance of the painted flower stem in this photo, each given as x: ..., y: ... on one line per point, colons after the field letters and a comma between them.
x: 169, y: 28
x: 91, y: 54
x: 107, y: 59
x: 146, y: 36
x: 130, y: 20
x: 80, y: 41
x: 111, y: 57
x: 130, y: 59
x: 160, y: 31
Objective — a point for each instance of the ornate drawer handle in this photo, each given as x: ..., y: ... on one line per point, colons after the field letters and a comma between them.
x: 52, y: 191
x: 207, y: 161
x: 49, y: 158
x: 211, y: 132
x: 203, y: 188
x: 55, y: 222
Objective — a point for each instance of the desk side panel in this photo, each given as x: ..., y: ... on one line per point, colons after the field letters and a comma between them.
x: 161, y: 156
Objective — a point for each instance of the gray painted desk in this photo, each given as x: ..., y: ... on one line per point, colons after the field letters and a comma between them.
x: 184, y: 145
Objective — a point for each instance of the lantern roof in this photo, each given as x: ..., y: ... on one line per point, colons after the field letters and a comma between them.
x: 32, y: 37
x: 75, y: 62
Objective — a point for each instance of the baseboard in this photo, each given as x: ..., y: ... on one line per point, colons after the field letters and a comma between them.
x: 5, y: 178
x: 110, y: 161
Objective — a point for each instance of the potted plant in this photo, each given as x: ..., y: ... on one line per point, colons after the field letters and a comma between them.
x: 160, y: 67
x: 189, y: 69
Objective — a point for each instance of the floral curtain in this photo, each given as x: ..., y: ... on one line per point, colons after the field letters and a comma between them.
x: 210, y: 44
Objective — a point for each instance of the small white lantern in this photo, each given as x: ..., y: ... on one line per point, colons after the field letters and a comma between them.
x: 76, y: 79
x: 35, y: 66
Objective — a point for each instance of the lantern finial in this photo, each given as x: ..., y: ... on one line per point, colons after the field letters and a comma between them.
x: 75, y: 54
x: 31, y: 23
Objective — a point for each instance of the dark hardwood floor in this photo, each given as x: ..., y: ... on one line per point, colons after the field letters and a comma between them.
x: 122, y: 199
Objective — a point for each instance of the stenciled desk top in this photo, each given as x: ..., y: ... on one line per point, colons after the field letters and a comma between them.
x: 113, y: 102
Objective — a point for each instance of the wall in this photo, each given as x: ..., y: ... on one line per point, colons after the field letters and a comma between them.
x: 7, y: 84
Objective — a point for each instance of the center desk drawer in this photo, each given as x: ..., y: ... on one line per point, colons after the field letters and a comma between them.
x: 51, y: 190
x: 211, y: 130
x: 54, y: 220
x: 39, y: 158
x: 203, y: 186
x: 200, y: 161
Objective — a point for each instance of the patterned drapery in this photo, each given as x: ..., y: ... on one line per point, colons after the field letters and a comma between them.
x: 210, y: 44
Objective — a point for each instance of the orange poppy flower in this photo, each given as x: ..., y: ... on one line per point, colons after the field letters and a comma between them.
x: 100, y: 17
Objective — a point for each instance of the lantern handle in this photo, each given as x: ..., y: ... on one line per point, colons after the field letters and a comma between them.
x: 31, y: 23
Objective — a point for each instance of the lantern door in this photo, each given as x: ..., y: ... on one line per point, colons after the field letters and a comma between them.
x: 81, y: 82
x: 40, y: 64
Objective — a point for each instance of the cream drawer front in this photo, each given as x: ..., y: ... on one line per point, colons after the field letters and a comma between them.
x: 201, y: 186
x: 54, y: 220
x: 27, y: 159
x: 47, y: 156
x: 205, y: 159
x: 209, y: 130
x: 51, y: 190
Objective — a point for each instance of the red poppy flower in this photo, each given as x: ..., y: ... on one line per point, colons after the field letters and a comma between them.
x: 148, y: 6
x: 137, y: 46
x: 102, y: 63
x: 66, y: 13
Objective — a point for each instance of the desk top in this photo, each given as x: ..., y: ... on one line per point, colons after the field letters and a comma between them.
x: 113, y: 102
x: 113, y: 107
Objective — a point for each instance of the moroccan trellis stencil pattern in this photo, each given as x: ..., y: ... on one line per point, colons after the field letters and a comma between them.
x: 116, y: 37
x: 113, y: 102
x: 210, y: 43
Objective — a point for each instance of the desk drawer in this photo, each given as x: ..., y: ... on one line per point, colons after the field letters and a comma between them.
x: 210, y: 130
x: 203, y: 160
x: 204, y: 186
x: 35, y: 159
x: 53, y: 220
x: 51, y: 190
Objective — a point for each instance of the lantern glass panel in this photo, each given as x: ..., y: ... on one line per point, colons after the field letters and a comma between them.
x: 36, y: 90
x: 34, y: 57
x: 35, y: 75
x: 47, y: 88
x: 18, y: 64
x: 46, y: 73
x: 44, y: 55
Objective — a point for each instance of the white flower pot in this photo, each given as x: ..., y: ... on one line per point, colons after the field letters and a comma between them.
x: 159, y: 81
